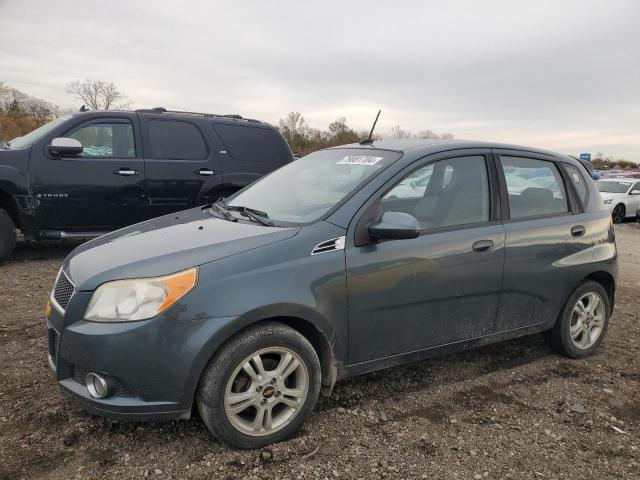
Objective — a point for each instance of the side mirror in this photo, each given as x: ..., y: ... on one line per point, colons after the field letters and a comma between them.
x: 65, y: 146
x: 634, y: 192
x: 394, y: 226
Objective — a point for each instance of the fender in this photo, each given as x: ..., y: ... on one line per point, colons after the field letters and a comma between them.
x: 291, y: 312
x: 12, y: 181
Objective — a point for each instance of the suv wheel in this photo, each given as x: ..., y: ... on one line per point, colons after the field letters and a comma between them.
x: 618, y: 213
x: 7, y: 235
x: 583, y: 322
x: 260, y: 386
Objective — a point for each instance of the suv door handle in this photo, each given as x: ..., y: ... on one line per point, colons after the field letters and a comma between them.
x: 482, y: 245
x: 578, y: 230
x: 205, y: 172
x: 125, y: 172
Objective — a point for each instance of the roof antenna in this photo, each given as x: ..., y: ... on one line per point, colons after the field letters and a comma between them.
x: 83, y: 108
x: 369, y: 139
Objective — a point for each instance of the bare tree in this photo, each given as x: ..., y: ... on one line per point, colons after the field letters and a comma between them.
x: 294, y: 131
x: 397, y: 132
x: 98, y: 94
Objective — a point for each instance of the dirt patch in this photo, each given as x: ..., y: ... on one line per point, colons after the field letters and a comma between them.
x: 514, y: 410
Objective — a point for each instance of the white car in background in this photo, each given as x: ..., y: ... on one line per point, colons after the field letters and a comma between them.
x: 622, y: 196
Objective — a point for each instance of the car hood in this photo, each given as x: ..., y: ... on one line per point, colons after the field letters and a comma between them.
x: 607, y: 196
x: 165, y: 245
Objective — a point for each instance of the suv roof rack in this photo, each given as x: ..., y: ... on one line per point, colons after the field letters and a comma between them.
x: 232, y: 116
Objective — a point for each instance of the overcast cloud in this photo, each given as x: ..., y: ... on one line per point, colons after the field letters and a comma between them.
x: 562, y: 75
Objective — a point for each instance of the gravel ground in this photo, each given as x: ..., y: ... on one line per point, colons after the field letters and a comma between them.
x: 514, y: 410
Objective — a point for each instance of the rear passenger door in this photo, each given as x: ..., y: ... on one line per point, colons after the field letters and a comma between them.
x: 182, y: 167
x: 251, y: 151
x: 545, y: 226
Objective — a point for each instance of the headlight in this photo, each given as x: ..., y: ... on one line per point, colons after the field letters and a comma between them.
x: 129, y: 300
x: 608, y: 201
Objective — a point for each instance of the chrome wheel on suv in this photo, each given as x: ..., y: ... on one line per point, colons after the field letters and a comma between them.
x: 266, y: 391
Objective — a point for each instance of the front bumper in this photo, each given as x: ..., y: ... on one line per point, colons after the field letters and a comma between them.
x: 155, y: 364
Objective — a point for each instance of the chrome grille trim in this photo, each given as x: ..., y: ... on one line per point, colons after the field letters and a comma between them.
x: 63, y: 290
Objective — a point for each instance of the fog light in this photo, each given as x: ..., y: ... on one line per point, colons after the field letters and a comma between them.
x: 98, y: 385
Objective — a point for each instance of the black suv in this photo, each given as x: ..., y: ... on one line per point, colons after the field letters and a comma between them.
x: 92, y: 172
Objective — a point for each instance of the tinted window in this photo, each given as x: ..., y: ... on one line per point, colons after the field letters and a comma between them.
x: 106, y: 140
x: 535, y: 187
x: 443, y: 194
x: 578, y: 182
x: 253, y: 144
x: 175, y: 140
x: 612, y: 186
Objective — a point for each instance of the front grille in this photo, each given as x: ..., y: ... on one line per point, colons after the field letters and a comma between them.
x: 79, y: 374
x: 63, y: 290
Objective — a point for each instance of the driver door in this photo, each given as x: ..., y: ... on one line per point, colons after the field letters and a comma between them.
x: 99, y: 190
x: 441, y: 287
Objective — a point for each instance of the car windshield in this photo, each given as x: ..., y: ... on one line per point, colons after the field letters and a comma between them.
x: 35, y: 135
x: 613, y: 187
x: 304, y: 190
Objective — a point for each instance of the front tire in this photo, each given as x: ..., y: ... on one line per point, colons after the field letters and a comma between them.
x: 260, y: 386
x: 7, y: 235
x: 619, y: 213
x: 583, y: 322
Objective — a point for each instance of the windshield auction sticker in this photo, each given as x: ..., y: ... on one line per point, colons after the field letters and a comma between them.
x: 359, y: 160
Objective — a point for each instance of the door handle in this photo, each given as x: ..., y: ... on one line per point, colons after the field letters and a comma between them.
x: 578, y: 230
x: 125, y: 172
x: 205, y: 172
x: 482, y: 245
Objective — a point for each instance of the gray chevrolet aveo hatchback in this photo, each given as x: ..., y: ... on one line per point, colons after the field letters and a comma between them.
x: 346, y: 261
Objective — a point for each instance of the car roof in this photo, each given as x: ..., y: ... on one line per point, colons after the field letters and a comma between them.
x: 426, y: 146
x: 231, y: 119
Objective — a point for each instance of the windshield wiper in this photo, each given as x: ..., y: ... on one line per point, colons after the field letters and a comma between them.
x: 218, y: 207
x: 255, y: 215
x: 264, y: 221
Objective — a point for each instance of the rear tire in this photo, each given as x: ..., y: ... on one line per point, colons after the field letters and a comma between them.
x: 583, y: 322
x: 619, y: 213
x: 249, y: 402
x: 7, y: 235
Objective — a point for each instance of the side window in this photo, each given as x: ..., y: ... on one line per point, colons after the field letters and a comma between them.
x: 445, y: 193
x: 175, y: 140
x: 535, y: 187
x: 253, y: 144
x: 578, y: 181
x: 104, y: 140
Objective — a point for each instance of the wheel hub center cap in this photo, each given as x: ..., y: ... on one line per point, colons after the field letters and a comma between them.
x: 268, y: 392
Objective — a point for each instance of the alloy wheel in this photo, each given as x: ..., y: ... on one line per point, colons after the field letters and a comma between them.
x: 266, y: 391
x: 618, y: 214
x: 587, y: 320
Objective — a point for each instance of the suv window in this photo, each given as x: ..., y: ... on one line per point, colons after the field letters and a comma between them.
x: 445, y: 193
x: 252, y: 144
x: 104, y: 140
x: 175, y: 140
x: 578, y: 181
x: 535, y: 187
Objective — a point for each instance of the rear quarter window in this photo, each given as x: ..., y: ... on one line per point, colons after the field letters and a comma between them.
x: 578, y: 181
x: 253, y: 144
x: 175, y: 140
